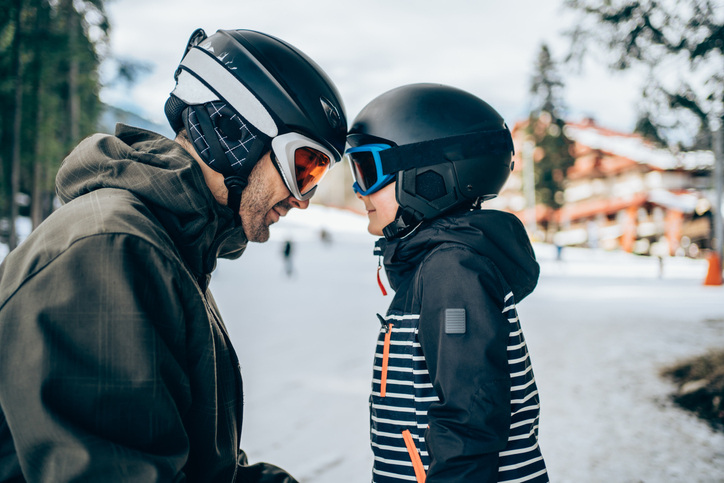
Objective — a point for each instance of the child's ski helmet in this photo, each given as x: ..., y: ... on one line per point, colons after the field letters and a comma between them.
x: 240, y: 93
x: 448, y: 149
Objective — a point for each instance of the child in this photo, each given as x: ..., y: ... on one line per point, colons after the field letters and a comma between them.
x: 453, y: 393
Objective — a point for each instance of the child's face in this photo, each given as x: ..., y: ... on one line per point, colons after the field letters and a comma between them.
x: 381, y: 208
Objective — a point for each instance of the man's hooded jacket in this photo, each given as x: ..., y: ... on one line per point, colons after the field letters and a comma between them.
x: 114, y: 362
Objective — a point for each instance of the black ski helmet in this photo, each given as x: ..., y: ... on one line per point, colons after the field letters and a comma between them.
x: 450, y: 149
x: 239, y: 89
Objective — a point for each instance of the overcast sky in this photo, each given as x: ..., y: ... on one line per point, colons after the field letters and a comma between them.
x: 368, y: 47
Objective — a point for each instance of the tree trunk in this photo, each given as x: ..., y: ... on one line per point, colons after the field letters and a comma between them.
x: 39, y: 164
x: 73, y: 26
x: 17, y: 69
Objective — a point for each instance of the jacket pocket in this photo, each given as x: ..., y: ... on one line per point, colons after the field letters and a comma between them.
x: 414, y: 456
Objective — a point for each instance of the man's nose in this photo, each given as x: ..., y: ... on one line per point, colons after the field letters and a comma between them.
x: 302, y: 205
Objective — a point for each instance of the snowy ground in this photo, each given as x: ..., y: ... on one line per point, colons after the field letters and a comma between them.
x: 600, y: 326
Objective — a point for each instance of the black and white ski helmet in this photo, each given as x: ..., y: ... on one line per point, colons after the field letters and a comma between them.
x: 239, y: 89
x: 450, y: 149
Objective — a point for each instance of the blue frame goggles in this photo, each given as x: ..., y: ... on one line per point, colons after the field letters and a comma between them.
x: 367, y: 168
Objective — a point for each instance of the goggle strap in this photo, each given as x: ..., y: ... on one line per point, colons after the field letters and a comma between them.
x: 428, y: 153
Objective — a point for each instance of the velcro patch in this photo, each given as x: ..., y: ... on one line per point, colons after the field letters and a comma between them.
x: 454, y: 321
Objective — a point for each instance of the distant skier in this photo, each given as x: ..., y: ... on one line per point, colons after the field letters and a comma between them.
x: 325, y: 236
x: 288, y: 262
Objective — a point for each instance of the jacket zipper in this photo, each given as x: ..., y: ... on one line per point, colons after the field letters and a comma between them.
x: 414, y: 456
x: 385, y: 355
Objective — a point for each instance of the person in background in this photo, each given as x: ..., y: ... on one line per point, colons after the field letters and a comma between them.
x: 453, y: 393
x: 287, y: 253
x: 115, y: 362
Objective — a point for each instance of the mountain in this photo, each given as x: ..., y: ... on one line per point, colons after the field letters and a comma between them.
x: 112, y: 115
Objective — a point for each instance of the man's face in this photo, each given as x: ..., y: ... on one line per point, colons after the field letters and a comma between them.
x: 264, y: 200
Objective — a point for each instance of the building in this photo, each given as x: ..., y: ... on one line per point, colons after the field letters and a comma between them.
x: 621, y: 193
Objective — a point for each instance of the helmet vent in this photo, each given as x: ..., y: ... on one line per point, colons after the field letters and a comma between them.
x: 430, y: 186
x: 333, y: 117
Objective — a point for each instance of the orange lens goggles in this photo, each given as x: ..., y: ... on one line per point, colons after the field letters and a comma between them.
x: 310, y: 166
x: 302, y: 162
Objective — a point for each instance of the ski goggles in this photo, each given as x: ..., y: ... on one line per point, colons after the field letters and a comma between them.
x: 301, y: 162
x: 367, y: 168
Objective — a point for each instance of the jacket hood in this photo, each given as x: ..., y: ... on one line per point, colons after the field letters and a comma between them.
x: 164, y: 176
x: 497, y: 235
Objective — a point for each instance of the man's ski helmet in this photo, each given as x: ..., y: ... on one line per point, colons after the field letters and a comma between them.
x: 448, y: 150
x: 241, y: 93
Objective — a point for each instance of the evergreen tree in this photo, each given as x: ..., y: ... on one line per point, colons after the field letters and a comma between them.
x: 679, y: 42
x: 49, y: 60
x: 552, y: 153
x: 647, y: 128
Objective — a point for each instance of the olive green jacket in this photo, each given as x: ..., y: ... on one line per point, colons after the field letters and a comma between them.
x: 115, y: 364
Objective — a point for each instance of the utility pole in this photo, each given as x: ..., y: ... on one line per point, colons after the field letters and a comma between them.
x: 718, y: 140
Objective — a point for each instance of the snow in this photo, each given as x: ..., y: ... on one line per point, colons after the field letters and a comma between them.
x: 23, y: 227
x: 600, y: 326
x: 634, y: 147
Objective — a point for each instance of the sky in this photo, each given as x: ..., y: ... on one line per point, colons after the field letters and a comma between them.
x: 488, y: 48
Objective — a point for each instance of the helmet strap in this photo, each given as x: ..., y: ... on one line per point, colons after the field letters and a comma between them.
x: 235, y: 185
x: 406, y: 221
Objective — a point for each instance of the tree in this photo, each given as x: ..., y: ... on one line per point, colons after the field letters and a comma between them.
x: 646, y: 127
x: 681, y: 44
x: 49, y: 60
x: 552, y: 152
x: 16, y: 70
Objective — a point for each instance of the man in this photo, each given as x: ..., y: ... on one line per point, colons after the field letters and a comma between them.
x: 115, y: 363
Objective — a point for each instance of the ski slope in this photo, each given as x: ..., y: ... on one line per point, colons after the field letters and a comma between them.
x: 600, y: 326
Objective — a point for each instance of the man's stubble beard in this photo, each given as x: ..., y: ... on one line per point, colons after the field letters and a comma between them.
x: 255, y: 204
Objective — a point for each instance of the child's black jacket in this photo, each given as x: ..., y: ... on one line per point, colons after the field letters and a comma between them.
x: 453, y: 389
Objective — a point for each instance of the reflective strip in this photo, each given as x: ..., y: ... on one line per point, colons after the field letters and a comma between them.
x: 230, y: 89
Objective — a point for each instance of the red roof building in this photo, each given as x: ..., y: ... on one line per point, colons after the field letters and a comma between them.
x: 621, y: 193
